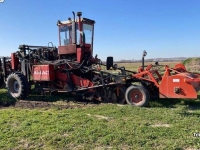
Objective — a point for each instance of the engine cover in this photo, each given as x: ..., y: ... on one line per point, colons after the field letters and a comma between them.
x: 43, y: 72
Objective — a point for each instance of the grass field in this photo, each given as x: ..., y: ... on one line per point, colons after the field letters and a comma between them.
x: 135, y: 65
x: 164, y: 124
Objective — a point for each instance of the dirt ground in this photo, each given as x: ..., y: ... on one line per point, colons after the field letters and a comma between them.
x: 42, y: 104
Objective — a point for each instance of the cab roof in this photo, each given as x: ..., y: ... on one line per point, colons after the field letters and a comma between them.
x: 84, y: 20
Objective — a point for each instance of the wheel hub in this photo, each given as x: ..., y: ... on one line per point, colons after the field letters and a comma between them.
x: 16, y: 86
x: 136, y: 96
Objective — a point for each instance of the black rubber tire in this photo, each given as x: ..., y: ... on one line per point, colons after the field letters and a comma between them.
x: 17, y: 85
x: 2, y: 84
x: 142, y: 94
x: 121, y: 98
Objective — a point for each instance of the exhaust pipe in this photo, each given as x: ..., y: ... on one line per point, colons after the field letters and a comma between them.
x: 80, y: 27
x: 74, y: 30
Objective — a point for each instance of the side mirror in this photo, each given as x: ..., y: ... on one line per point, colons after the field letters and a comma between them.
x: 109, y: 63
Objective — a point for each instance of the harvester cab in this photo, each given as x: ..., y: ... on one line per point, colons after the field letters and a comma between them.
x: 76, y: 38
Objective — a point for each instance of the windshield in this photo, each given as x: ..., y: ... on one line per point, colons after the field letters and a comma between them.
x: 88, y: 29
x: 65, y: 35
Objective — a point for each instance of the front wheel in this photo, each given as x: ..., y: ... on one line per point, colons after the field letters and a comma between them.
x: 17, y: 85
x: 137, y: 96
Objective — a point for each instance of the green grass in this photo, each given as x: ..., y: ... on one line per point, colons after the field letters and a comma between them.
x: 5, y: 99
x: 135, y: 65
x: 189, y: 60
x: 165, y: 124
x: 192, y: 64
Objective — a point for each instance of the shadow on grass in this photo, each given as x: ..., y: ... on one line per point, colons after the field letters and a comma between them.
x: 191, y: 108
x: 173, y: 103
x: 49, y: 97
x: 5, y: 99
x: 189, y: 114
x: 54, y: 97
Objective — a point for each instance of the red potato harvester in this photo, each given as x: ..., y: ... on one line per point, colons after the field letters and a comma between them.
x: 71, y: 68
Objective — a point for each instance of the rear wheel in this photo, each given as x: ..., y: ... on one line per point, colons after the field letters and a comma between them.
x: 17, y: 85
x: 137, y: 96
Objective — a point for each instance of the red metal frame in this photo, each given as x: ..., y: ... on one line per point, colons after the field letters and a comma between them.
x: 14, y: 61
x: 176, y: 82
x: 43, y: 72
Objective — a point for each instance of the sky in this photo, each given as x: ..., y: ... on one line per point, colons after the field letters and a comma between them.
x: 123, y: 28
